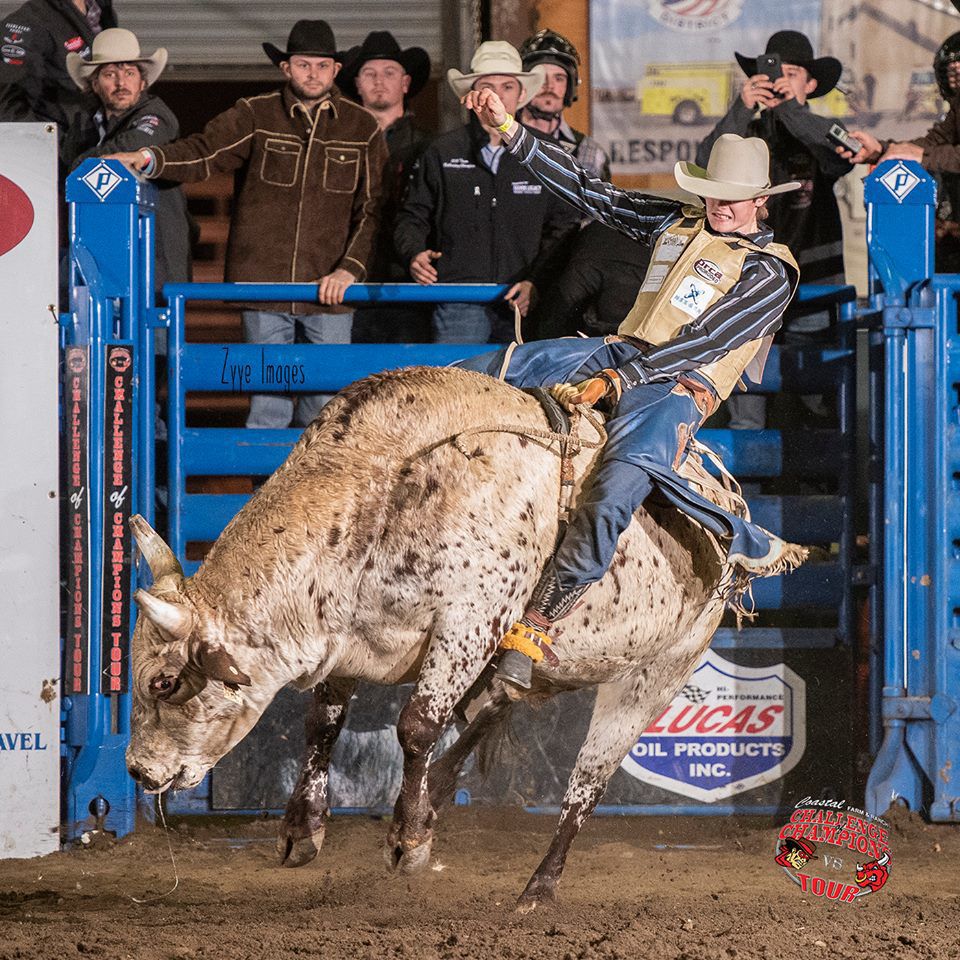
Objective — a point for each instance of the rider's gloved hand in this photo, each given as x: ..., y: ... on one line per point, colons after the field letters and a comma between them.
x: 587, y: 392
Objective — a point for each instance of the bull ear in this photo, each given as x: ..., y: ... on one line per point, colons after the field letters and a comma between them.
x: 217, y: 664
x: 160, y: 558
x: 174, y: 619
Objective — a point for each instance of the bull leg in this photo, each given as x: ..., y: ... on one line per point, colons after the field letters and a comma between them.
x: 619, y: 717
x: 449, y: 669
x: 443, y: 773
x: 304, y: 822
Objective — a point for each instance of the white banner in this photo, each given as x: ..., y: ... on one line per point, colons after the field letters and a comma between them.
x: 663, y: 71
x: 29, y: 481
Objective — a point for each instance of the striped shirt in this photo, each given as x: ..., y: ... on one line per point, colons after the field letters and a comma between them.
x: 750, y: 310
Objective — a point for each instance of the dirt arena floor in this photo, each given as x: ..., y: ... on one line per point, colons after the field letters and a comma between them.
x: 633, y: 889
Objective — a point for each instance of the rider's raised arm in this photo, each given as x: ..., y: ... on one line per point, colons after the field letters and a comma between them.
x: 635, y: 214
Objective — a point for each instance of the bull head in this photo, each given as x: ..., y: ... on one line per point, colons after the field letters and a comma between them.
x: 176, y: 622
x: 179, y: 647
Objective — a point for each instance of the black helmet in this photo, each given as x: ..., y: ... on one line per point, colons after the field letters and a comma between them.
x: 548, y: 46
x: 948, y: 53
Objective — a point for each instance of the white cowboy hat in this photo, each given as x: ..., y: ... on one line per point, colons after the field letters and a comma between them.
x: 738, y: 169
x: 497, y: 57
x: 115, y: 45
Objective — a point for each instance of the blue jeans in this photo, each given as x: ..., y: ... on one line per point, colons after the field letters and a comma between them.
x: 644, y: 436
x: 648, y: 434
x: 276, y: 411
x: 472, y: 323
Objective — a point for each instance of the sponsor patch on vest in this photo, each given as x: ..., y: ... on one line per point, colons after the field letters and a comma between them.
x: 74, y: 44
x: 13, y: 62
x: 148, y: 124
x: 12, y: 50
x: 653, y: 281
x: 522, y: 186
x: 693, y: 296
x: 670, y: 248
x: 458, y: 163
x: 708, y: 270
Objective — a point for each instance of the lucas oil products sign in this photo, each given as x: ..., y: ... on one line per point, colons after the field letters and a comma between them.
x: 730, y: 729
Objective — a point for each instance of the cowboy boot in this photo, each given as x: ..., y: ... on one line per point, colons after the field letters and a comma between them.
x: 528, y: 641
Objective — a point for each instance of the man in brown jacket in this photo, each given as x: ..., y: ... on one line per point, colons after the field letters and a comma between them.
x: 308, y: 165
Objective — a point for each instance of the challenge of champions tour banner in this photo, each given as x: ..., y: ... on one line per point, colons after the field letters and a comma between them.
x: 663, y: 72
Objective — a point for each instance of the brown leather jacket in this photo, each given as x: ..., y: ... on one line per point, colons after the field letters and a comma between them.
x: 307, y: 187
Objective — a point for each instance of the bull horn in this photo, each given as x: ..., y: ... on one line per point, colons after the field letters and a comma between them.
x: 160, y: 558
x: 174, y: 619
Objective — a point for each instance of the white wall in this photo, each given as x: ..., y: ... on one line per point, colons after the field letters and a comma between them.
x: 29, y: 559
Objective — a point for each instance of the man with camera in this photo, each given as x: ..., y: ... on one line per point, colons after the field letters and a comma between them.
x: 773, y: 106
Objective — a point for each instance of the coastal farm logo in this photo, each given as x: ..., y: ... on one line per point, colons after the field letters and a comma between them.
x: 695, y: 16
x: 833, y: 851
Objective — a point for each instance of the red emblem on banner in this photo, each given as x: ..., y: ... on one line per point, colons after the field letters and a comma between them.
x: 16, y: 215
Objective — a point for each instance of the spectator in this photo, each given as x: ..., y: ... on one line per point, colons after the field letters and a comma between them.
x: 130, y: 117
x: 807, y: 221
x: 383, y: 78
x: 474, y: 215
x: 598, y: 286
x: 560, y: 62
x: 308, y: 164
x: 37, y: 37
x: 938, y: 150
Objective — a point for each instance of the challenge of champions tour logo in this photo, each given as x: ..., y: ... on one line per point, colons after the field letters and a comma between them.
x: 695, y: 15
x: 833, y: 851
x: 730, y: 729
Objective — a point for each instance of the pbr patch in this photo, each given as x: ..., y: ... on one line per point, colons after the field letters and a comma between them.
x: 731, y: 729
x: 693, y: 296
x: 522, y: 186
x: 74, y: 44
x: 708, y: 270
x: 833, y: 851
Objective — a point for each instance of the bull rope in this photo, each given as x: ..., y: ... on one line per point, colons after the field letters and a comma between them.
x: 570, y: 445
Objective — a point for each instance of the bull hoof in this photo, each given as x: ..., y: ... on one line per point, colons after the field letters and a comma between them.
x: 297, y: 851
x: 538, y: 894
x: 409, y: 861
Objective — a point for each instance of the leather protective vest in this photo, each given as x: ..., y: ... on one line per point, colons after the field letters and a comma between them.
x: 690, y: 270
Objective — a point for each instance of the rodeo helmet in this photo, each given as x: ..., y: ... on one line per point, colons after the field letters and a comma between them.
x: 548, y: 46
x: 948, y: 53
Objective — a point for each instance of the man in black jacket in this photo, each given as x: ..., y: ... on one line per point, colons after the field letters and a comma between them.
x: 34, y: 83
x: 808, y: 220
x: 383, y: 77
x: 474, y: 215
x: 129, y: 118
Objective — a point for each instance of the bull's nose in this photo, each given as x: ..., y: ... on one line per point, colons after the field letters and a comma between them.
x: 135, y: 772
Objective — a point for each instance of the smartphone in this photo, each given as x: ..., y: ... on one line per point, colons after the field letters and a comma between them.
x: 769, y: 63
x: 836, y: 134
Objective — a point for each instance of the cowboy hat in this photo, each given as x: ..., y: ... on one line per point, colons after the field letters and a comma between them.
x: 794, y: 47
x: 114, y: 45
x: 497, y: 57
x: 738, y: 169
x: 308, y: 38
x: 382, y: 45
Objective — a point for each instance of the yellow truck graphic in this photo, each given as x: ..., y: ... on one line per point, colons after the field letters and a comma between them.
x: 688, y: 92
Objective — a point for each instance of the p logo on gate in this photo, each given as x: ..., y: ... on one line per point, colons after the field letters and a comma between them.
x: 900, y: 180
x: 102, y: 180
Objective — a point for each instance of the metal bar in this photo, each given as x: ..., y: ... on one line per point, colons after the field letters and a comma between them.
x: 380, y: 293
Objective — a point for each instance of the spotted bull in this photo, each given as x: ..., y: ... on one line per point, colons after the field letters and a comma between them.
x: 383, y: 551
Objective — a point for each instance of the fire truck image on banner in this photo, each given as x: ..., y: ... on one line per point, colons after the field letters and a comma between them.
x: 730, y: 729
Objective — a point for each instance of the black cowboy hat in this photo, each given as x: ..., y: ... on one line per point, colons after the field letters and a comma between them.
x: 795, y: 48
x: 382, y: 45
x: 309, y: 38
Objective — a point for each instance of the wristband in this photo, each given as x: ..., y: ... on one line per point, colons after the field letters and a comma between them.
x: 506, y: 125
